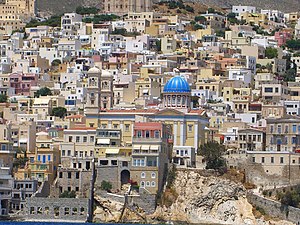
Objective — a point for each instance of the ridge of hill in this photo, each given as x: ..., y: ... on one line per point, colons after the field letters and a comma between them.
x: 59, y: 7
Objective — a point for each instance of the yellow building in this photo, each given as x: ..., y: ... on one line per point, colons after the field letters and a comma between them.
x: 187, y: 124
x: 254, y: 18
x: 43, y: 160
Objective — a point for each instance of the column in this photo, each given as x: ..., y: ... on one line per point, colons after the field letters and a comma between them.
x: 181, y: 133
x: 109, y: 124
x: 175, y: 132
x: 196, y: 136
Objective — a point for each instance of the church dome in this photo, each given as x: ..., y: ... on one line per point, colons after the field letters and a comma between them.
x: 94, y: 70
x: 177, y: 85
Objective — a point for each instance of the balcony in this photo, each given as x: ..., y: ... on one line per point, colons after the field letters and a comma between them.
x: 145, y: 139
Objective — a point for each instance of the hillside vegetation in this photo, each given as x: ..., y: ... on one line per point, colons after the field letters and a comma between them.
x: 58, y: 7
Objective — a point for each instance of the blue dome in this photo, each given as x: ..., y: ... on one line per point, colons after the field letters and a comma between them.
x: 177, y: 85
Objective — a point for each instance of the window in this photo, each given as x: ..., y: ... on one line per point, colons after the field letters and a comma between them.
x: 271, y: 129
x: 279, y: 129
x: 77, y: 138
x: 294, y: 140
x: 294, y: 128
x: 143, y: 175
x: 156, y: 134
x: 253, y: 159
x: 77, y: 175
x: 148, y: 184
x: 153, y: 175
x: 272, y: 159
x: 127, y: 126
x: 92, y: 139
x: 262, y: 159
x: 268, y: 89
x: 139, y: 133
x: 85, y: 139
x: 60, y: 175
x: 190, y: 128
x: 281, y: 160
x: 147, y: 134
x: 153, y: 184
x: 69, y: 175
x: 286, y: 129
x: 142, y: 183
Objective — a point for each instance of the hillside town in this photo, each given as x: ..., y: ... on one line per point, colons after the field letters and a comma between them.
x: 108, y: 103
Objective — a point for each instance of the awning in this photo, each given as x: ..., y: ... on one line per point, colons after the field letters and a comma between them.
x: 137, y: 147
x: 103, y: 141
x: 112, y: 151
x: 23, y: 140
x: 154, y: 147
x: 145, y: 147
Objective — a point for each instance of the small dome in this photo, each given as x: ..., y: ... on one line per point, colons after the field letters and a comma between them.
x: 177, y: 85
x: 94, y: 70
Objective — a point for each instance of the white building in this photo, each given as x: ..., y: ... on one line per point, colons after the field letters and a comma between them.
x: 50, y: 54
x: 70, y: 23
x: 273, y: 15
x: 292, y: 107
x: 184, y: 156
x: 296, y: 60
x: 239, y: 9
x: 297, y: 29
x: 242, y: 74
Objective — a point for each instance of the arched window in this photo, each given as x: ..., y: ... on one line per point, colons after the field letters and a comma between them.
x: 143, y: 175
x: 178, y: 100
x: 142, y: 184
x: 173, y: 99
x: 148, y: 184
x: 153, y: 184
x: 153, y: 175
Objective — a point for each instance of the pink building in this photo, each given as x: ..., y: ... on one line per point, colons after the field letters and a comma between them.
x: 282, y: 37
x: 22, y: 83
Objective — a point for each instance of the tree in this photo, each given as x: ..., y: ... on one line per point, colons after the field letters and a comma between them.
x: 269, y: 67
x: 220, y: 33
x: 200, y: 19
x: 158, y: 45
x: 106, y: 185
x: 44, y: 91
x: 290, y: 75
x: 213, y: 155
x: 189, y: 9
x: 293, y: 44
x: 211, y: 10
x: 68, y: 194
x: 86, y: 10
x: 59, y: 112
x: 271, y: 53
x: 55, y: 62
x: 195, y: 101
x: 3, y: 98
x: 120, y: 31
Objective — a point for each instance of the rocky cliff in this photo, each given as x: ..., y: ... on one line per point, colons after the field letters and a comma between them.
x: 194, y: 199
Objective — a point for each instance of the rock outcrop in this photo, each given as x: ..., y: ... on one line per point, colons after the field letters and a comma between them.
x: 194, y: 199
x: 207, y: 200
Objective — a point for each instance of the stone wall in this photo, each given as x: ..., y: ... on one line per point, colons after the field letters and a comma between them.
x: 258, y: 175
x: 56, y: 209
x: 275, y: 208
x: 108, y: 173
x: 147, y: 202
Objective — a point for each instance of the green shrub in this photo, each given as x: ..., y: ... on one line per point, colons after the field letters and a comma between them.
x: 106, y: 185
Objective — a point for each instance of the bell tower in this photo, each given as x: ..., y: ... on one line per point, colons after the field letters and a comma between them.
x: 93, y: 95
